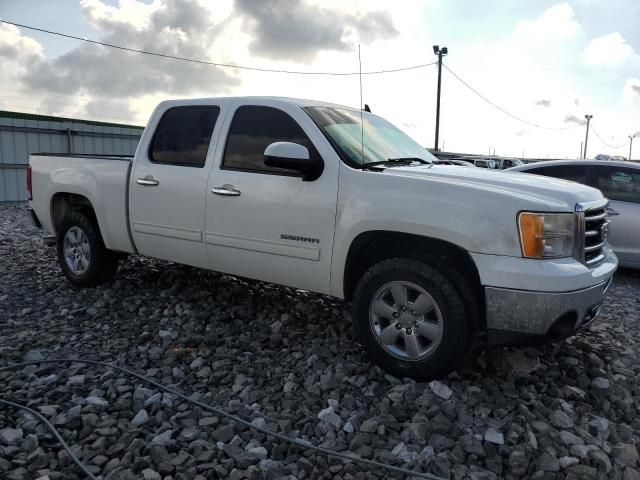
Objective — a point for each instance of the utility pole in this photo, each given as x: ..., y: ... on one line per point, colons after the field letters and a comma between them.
x: 630, y: 144
x: 580, y: 154
x: 586, y: 138
x: 440, y: 52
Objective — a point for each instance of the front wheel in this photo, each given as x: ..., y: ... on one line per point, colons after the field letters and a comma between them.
x: 410, y: 319
x: 84, y: 259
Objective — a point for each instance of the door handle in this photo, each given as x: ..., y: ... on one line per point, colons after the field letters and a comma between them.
x: 226, y: 190
x: 612, y: 212
x: 148, y: 181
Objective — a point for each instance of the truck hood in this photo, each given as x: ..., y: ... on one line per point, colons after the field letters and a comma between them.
x: 556, y: 194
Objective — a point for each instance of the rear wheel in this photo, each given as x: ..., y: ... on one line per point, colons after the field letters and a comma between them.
x: 84, y: 259
x: 410, y: 319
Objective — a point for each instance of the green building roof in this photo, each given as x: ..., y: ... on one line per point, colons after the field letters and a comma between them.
x: 47, y: 118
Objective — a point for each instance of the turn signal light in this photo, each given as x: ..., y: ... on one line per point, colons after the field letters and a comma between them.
x: 532, y: 234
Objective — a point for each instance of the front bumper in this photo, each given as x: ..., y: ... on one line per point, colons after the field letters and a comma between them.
x: 520, y: 317
x: 517, y: 315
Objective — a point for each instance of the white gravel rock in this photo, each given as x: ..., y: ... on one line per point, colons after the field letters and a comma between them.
x: 11, y: 436
x: 96, y: 401
x: 494, y: 436
x: 329, y: 416
x: 140, y: 419
x: 440, y: 389
x: 163, y: 439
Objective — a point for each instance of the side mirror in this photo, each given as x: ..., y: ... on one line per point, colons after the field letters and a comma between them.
x: 293, y: 156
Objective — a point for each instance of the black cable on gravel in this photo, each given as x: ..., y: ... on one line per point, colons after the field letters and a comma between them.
x: 294, y: 441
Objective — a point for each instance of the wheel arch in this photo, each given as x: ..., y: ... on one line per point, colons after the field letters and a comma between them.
x: 371, y: 247
x: 65, y: 202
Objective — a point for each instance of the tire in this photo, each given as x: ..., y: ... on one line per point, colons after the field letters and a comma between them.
x: 424, y: 345
x: 87, y: 262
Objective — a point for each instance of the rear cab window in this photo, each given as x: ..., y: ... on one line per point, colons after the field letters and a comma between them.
x: 182, y: 136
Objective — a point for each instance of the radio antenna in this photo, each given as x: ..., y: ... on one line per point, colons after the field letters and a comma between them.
x: 361, y: 114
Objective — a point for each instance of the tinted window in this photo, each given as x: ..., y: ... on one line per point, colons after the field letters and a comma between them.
x: 618, y: 183
x: 182, y: 136
x: 252, y: 130
x: 574, y: 173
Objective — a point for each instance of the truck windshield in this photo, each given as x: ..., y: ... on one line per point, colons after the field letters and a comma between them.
x: 383, y: 142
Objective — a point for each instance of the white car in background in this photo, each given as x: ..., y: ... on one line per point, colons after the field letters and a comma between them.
x: 485, y: 163
x: 462, y: 163
x: 620, y: 183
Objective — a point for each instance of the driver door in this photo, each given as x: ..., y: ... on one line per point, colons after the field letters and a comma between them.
x: 263, y: 222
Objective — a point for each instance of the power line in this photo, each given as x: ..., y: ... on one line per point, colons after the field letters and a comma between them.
x: 498, y: 107
x: 215, y: 64
x: 595, y: 132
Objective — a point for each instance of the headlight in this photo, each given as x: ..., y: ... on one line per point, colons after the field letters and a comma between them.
x: 547, y: 235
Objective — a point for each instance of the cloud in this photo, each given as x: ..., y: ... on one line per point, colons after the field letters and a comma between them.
x: 175, y: 27
x: 295, y: 30
x: 15, y: 47
x: 546, y: 103
x: 609, y: 49
x: 574, y: 119
x: 556, y: 23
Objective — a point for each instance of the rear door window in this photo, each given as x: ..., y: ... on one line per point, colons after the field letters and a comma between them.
x: 618, y: 183
x: 574, y: 173
x: 182, y: 136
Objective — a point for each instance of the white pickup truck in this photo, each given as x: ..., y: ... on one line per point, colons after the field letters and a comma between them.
x: 331, y: 199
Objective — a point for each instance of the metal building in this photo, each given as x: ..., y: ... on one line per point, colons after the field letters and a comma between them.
x: 22, y: 134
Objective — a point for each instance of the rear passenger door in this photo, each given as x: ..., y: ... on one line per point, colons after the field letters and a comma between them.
x: 621, y: 185
x: 267, y: 223
x: 168, y: 183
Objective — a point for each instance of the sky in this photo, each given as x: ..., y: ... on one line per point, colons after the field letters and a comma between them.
x: 534, y: 68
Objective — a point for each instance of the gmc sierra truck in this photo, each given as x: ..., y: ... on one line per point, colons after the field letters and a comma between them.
x: 321, y: 197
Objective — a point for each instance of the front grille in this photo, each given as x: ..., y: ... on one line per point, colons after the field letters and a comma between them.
x: 595, y: 235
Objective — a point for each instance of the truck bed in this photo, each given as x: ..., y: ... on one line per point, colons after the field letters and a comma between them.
x: 101, y: 179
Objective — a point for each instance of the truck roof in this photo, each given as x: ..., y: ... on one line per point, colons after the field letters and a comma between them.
x: 276, y: 100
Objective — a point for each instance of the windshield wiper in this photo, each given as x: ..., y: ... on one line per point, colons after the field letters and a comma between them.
x: 397, y: 161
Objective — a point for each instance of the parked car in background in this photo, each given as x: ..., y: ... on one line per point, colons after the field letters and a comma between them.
x: 485, y: 163
x: 620, y: 183
x: 504, y: 163
x: 458, y: 163
x: 462, y: 163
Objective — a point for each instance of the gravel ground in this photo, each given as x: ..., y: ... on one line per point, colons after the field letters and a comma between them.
x: 286, y: 359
